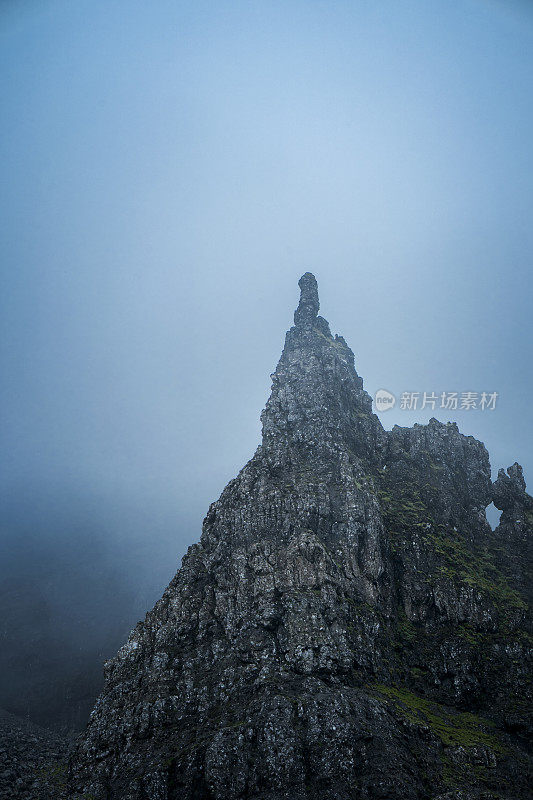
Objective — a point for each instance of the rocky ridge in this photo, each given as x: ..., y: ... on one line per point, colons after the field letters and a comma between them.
x: 348, y: 627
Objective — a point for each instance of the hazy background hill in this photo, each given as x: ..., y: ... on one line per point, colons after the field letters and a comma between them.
x: 70, y: 591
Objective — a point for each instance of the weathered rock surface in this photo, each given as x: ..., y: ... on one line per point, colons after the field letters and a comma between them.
x: 348, y: 627
x: 31, y: 760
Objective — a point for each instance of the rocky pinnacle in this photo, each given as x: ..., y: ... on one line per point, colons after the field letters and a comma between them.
x: 348, y: 627
x: 308, y: 306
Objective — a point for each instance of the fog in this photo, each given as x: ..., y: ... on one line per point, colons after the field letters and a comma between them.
x: 170, y: 170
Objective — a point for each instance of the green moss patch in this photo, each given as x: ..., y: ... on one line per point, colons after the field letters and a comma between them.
x: 453, y: 728
x: 405, y: 513
x: 475, y: 569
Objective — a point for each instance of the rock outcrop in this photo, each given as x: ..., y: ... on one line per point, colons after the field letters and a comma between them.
x: 349, y: 626
x: 32, y: 763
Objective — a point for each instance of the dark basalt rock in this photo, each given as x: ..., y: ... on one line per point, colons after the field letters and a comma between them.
x: 32, y: 763
x: 348, y: 627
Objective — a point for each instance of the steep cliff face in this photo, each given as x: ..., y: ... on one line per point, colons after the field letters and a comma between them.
x: 349, y: 626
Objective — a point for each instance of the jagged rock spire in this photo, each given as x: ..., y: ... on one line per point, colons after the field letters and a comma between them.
x: 509, y: 490
x: 282, y: 662
x: 307, y: 310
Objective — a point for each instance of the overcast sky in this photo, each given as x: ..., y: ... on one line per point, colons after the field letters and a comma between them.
x: 171, y: 169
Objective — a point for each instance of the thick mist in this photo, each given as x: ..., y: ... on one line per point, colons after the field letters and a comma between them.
x: 170, y: 170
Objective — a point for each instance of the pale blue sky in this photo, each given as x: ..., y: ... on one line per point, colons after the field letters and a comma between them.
x: 171, y: 169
